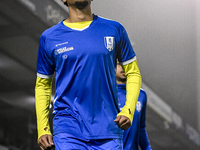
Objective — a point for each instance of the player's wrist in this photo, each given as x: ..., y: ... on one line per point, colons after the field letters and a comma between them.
x: 44, y: 133
x: 127, y: 112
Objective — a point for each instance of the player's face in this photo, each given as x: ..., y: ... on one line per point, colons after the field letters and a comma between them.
x: 120, y: 72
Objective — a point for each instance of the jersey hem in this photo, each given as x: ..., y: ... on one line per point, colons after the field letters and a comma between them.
x: 87, y: 137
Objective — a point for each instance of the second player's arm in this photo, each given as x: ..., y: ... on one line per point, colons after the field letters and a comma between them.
x: 133, y: 85
x: 143, y: 137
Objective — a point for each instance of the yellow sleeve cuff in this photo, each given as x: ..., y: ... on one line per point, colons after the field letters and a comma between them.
x: 133, y: 85
x: 43, y: 90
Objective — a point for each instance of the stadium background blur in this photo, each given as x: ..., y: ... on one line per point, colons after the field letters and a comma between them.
x: 166, y: 38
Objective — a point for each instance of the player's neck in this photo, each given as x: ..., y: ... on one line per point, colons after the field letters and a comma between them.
x: 79, y: 15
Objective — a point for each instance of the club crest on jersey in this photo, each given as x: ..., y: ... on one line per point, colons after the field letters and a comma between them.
x: 138, y: 106
x: 109, y: 42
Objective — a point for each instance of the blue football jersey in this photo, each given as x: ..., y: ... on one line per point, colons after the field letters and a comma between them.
x: 84, y: 62
x: 136, y: 135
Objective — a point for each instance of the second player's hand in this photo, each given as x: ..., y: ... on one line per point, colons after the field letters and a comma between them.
x: 45, y: 142
x: 123, y: 122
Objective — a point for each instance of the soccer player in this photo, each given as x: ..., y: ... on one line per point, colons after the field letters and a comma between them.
x: 136, y: 135
x: 82, y: 50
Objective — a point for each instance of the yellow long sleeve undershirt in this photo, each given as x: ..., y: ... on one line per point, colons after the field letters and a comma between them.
x: 77, y: 25
x: 133, y: 84
x: 43, y: 90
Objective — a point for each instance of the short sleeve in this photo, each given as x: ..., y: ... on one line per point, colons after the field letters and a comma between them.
x: 45, y: 66
x: 125, y: 52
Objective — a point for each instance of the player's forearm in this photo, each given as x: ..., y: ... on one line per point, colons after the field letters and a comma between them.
x: 42, y: 101
x: 133, y: 85
x: 143, y: 140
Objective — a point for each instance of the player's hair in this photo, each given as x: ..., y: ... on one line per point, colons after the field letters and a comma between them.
x: 66, y: 3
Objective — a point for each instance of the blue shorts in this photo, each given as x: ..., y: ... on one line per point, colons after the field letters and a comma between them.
x: 64, y: 141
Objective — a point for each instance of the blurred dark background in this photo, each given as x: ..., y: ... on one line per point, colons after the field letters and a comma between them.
x: 166, y: 38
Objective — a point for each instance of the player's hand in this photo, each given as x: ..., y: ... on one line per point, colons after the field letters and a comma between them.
x: 45, y: 142
x: 123, y: 122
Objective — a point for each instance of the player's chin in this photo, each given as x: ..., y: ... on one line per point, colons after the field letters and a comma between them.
x: 81, y: 4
